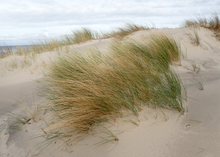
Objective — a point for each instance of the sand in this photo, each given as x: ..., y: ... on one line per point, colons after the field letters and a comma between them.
x: 196, y: 133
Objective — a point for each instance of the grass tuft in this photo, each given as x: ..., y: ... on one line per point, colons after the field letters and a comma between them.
x: 5, y: 50
x: 124, y: 31
x: 82, y: 35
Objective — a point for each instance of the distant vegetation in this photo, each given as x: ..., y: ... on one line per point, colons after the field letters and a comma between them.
x: 213, y: 22
x: 84, y: 89
x: 124, y: 31
x: 77, y: 36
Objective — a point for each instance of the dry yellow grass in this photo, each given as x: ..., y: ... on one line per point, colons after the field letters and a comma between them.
x: 83, y: 89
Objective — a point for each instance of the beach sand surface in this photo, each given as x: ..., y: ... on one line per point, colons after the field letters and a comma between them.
x: 196, y: 133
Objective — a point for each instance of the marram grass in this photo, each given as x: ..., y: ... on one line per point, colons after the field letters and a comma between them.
x: 83, y: 89
x: 213, y: 22
x: 82, y: 35
x: 76, y: 37
x: 124, y: 31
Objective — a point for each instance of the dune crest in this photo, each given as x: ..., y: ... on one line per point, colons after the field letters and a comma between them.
x: 156, y: 132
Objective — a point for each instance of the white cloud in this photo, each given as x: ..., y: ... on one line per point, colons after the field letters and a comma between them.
x: 46, y: 34
x: 36, y: 15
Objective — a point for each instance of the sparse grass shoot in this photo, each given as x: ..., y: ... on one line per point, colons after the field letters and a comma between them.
x: 195, y: 68
x: 194, y: 37
x: 166, y: 117
x: 198, y: 83
x: 13, y: 64
x: 111, y: 137
x: 17, y: 121
x: 197, y: 38
x: 27, y: 113
x: 131, y: 121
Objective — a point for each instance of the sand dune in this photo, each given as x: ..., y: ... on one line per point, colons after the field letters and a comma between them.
x: 196, y: 133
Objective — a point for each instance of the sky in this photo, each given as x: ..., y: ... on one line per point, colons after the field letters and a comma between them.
x: 24, y: 21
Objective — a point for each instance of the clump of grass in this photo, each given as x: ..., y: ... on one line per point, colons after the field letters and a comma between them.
x: 82, y: 35
x: 213, y: 22
x: 22, y: 51
x: 78, y: 36
x: 68, y: 40
x: 165, y: 48
x: 84, y: 89
x: 5, y: 50
x: 190, y: 23
x: 124, y: 31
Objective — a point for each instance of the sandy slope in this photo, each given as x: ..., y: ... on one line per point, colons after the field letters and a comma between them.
x: 196, y: 133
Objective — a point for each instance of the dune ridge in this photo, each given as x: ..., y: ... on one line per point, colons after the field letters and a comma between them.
x: 156, y: 132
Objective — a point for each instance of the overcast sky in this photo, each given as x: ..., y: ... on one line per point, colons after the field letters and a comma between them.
x: 22, y: 21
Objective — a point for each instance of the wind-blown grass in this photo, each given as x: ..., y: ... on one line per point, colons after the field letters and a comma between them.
x: 83, y: 89
x: 5, y: 50
x: 76, y: 37
x: 53, y: 44
x: 213, y: 22
x: 124, y: 31
x: 82, y: 35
